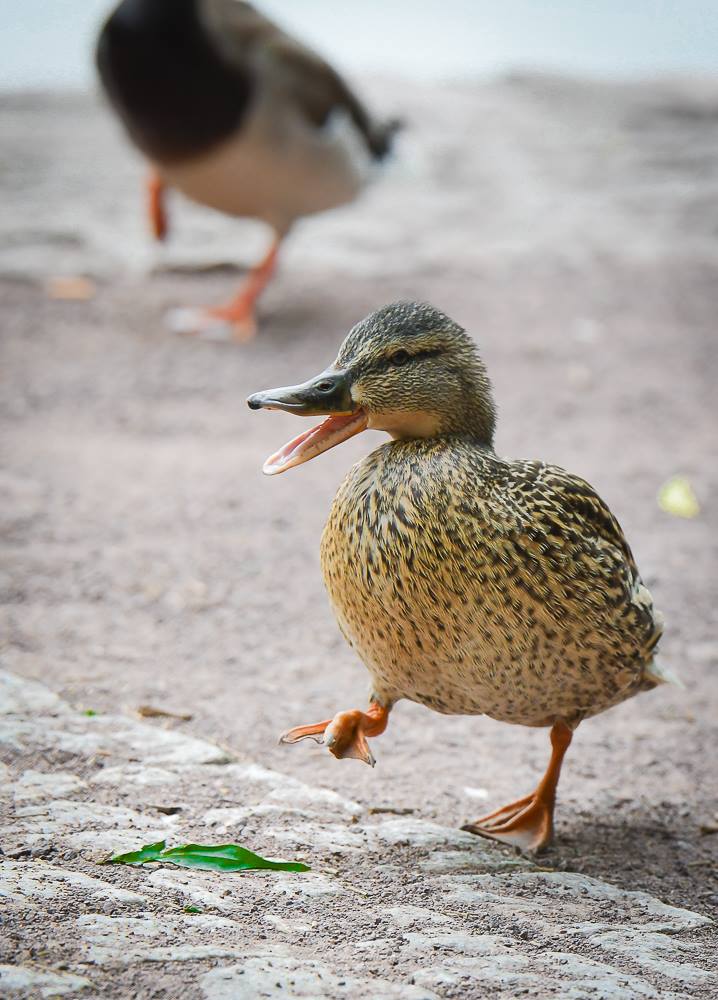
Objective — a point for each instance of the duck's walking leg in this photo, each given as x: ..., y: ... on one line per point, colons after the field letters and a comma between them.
x: 346, y: 734
x: 528, y: 822
x: 156, y: 205
x: 238, y: 313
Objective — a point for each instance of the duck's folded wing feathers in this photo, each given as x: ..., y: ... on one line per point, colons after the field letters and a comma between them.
x: 572, y: 518
x: 249, y: 39
x: 582, y: 511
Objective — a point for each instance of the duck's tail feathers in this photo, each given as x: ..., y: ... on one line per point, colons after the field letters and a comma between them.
x: 659, y: 673
x: 381, y: 137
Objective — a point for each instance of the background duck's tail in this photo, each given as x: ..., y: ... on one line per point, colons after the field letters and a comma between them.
x: 380, y: 137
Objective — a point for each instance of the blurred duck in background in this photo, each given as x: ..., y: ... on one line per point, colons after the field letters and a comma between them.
x: 240, y: 117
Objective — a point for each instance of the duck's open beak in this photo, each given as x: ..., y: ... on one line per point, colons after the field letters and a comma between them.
x: 328, y: 394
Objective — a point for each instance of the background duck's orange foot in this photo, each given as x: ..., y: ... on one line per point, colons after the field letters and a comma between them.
x: 235, y: 320
x: 526, y: 824
x: 346, y: 734
x: 156, y: 206
x: 218, y: 323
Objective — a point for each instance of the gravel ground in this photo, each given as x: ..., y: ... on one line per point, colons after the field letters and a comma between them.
x: 573, y: 229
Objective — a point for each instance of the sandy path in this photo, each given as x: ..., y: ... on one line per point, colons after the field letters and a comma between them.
x: 574, y: 231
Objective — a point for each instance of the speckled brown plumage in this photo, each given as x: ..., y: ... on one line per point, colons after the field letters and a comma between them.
x: 467, y: 582
x: 474, y: 584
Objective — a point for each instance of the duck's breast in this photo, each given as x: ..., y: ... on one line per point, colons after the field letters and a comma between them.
x: 392, y: 564
x: 440, y: 582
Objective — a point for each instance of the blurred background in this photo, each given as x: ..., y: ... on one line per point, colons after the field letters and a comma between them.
x: 556, y: 191
x: 49, y: 44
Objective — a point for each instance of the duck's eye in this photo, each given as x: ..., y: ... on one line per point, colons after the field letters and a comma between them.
x: 326, y: 385
x: 399, y: 358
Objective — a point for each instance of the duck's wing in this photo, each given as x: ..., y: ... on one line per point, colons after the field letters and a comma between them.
x: 581, y: 513
x: 250, y: 41
x: 579, y: 539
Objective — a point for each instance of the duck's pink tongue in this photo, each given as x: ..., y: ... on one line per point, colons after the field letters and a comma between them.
x: 324, y: 436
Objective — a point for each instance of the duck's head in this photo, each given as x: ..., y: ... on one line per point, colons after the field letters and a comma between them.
x: 406, y: 369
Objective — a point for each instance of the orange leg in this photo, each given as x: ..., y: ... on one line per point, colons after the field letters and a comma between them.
x: 240, y: 310
x: 528, y: 822
x: 346, y: 734
x: 156, y: 205
x: 238, y: 313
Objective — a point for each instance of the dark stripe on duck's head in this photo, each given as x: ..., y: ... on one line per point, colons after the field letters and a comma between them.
x: 398, y: 320
x: 163, y: 72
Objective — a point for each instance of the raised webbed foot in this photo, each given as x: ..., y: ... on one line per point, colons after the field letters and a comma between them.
x: 346, y: 734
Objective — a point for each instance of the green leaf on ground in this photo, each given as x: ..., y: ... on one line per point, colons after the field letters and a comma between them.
x: 150, y: 852
x: 219, y: 858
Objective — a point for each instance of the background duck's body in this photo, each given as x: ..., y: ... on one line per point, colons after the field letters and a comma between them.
x: 237, y: 115
x: 278, y: 169
x: 480, y: 586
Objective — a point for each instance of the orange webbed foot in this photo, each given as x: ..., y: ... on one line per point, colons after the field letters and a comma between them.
x: 346, y: 734
x: 215, y: 323
x: 528, y: 822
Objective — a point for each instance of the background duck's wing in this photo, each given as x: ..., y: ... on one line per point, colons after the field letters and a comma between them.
x: 249, y: 40
x: 165, y: 77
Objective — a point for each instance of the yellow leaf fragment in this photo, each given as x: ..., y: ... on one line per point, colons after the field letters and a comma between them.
x: 678, y: 498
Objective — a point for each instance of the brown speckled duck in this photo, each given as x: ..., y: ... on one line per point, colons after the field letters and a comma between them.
x: 470, y: 583
x: 239, y: 116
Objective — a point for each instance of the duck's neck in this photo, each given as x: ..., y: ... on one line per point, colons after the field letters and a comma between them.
x: 460, y: 404
x: 475, y: 416
x: 408, y: 425
x: 470, y: 413
x: 477, y: 421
